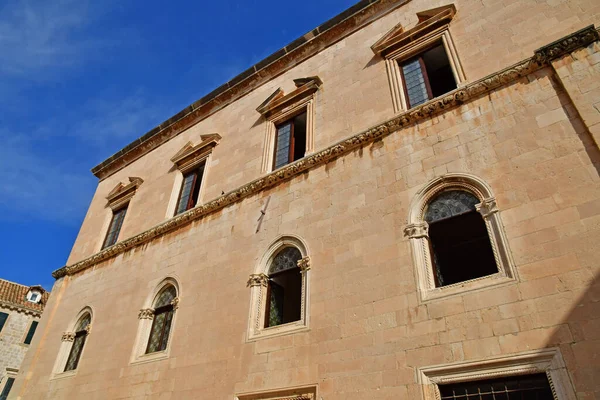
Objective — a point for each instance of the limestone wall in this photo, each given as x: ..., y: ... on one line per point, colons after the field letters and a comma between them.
x: 12, y: 348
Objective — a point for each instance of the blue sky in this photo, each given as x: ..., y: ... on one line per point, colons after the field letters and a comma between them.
x: 81, y: 79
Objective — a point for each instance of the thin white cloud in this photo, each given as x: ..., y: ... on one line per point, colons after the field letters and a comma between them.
x: 37, y: 35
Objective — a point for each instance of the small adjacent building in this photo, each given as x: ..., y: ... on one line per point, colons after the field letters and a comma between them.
x: 21, y: 308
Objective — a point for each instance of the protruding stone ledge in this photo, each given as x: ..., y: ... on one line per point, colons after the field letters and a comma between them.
x: 542, y: 58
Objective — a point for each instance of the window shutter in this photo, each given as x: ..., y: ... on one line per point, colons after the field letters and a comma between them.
x: 31, y: 332
x: 3, y: 318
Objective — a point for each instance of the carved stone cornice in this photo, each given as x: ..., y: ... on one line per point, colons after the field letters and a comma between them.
x: 304, y: 264
x: 419, y: 230
x: 68, y: 337
x: 487, y: 207
x: 274, y: 65
x: 258, y: 280
x: 574, y: 41
x: 146, y: 313
x: 433, y: 107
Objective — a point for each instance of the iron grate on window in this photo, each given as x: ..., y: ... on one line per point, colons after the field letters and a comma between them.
x: 526, y: 387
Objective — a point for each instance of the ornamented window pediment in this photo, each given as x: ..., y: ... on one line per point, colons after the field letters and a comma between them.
x: 122, y: 193
x: 191, y: 155
x: 278, y: 101
x: 429, y: 22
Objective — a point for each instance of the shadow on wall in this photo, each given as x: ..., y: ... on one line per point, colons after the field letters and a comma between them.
x: 578, y: 334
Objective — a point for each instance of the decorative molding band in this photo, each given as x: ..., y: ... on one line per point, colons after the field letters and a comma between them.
x: 433, y: 107
x: 146, y: 313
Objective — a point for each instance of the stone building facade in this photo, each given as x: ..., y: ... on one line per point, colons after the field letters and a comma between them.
x: 402, y: 203
x: 21, y: 308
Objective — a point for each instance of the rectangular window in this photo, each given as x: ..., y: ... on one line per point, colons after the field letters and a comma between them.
x: 3, y: 318
x: 190, y: 189
x: 526, y: 387
x: 31, y: 332
x: 427, y: 76
x: 115, y: 227
x: 290, y: 141
x: 7, y: 387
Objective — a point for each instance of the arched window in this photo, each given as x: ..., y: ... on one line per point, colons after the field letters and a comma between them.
x: 81, y: 333
x: 279, y: 290
x: 284, y: 290
x: 457, y: 237
x: 156, y: 322
x: 73, y: 343
x: 163, y: 318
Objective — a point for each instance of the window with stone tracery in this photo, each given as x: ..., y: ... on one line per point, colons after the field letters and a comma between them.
x: 279, y: 290
x: 81, y: 333
x: 163, y: 318
x: 457, y: 237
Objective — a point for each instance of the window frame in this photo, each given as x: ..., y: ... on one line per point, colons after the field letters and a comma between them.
x: 146, y: 322
x: 4, y: 393
x: 197, y: 176
x: 67, y: 341
x: 4, y: 322
x: 548, y: 361
x: 394, y: 60
x: 258, y: 284
x: 417, y: 232
x: 115, y: 212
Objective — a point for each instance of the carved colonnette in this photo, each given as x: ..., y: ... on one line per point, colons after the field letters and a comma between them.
x: 540, y: 59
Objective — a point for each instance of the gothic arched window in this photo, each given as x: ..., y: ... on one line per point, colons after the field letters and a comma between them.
x: 284, y: 290
x: 82, y: 329
x: 459, y: 238
x: 162, y: 319
x: 279, y: 292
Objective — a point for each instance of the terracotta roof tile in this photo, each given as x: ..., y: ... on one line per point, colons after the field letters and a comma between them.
x: 14, y: 294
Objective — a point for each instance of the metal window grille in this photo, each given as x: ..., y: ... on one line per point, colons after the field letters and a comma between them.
x: 527, y: 387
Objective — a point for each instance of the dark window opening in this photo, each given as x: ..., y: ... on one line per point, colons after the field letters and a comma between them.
x: 190, y: 190
x: 526, y: 387
x: 162, y: 321
x: 3, y: 318
x: 7, y: 387
x: 115, y: 227
x: 427, y: 76
x: 459, y: 240
x: 284, y: 291
x: 31, y: 332
x: 290, y: 141
x: 78, y: 343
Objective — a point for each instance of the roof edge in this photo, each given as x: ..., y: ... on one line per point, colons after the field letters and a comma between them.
x: 306, y: 46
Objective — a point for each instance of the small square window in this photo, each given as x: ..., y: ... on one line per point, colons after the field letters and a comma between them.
x: 3, y: 318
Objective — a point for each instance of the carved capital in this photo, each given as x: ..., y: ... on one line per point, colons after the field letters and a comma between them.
x: 258, y: 280
x: 146, y: 313
x: 175, y: 303
x: 68, y: 336
x: 304, y: 264
x: 88, y: 328
x: 487, y: 207
x: 418, y: 230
